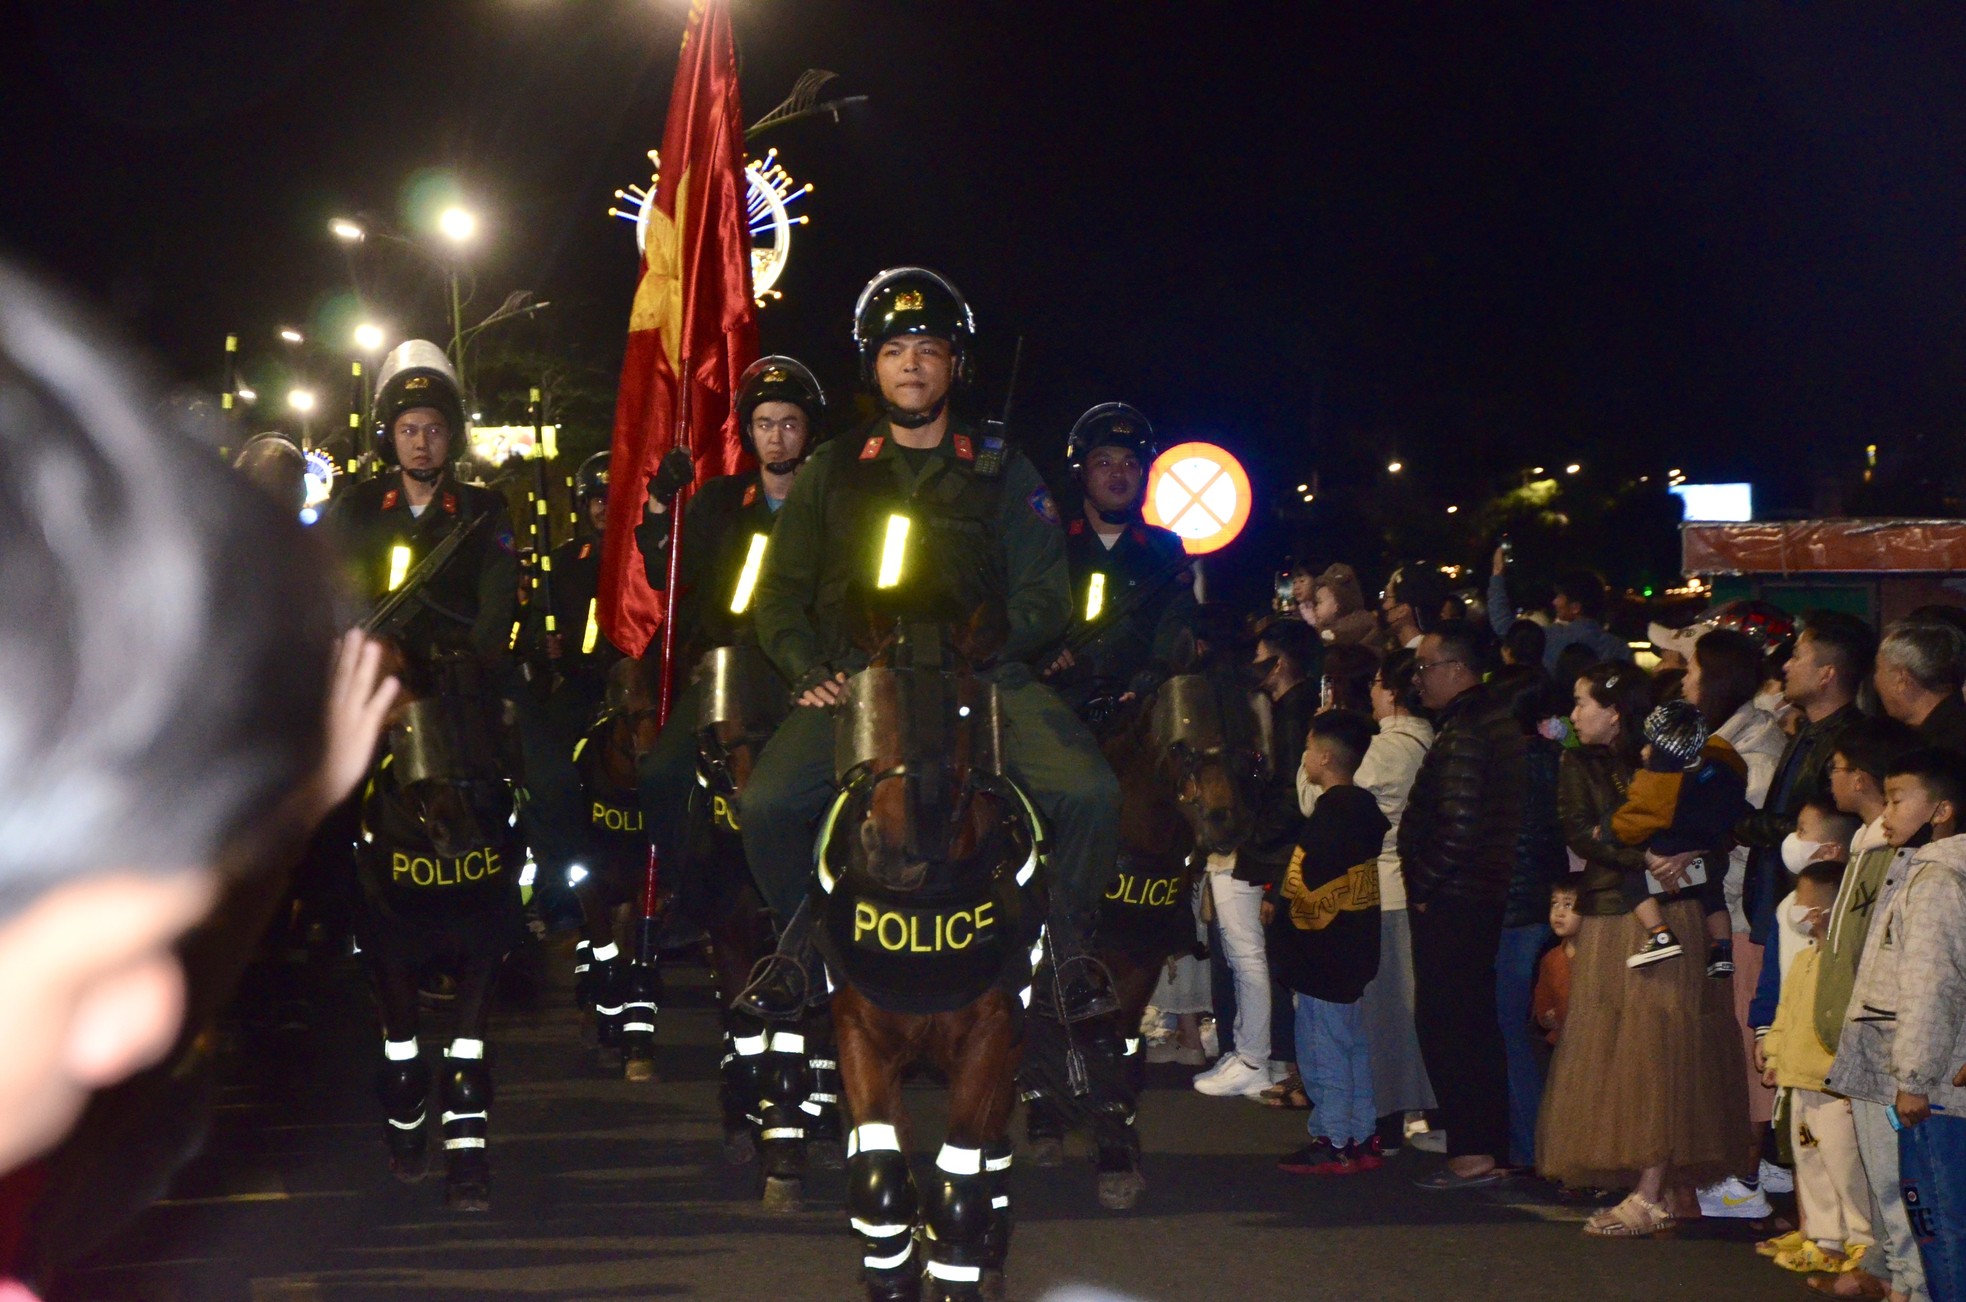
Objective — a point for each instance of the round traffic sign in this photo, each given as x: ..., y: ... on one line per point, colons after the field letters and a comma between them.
x: 1201, y: 493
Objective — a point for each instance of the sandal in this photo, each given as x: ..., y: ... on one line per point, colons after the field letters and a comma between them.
x: 1634, y: 1218
x: 1286, y: 1094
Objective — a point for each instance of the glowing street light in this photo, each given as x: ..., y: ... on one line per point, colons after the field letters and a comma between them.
x: 368, y: 337
x: 292, y: 335
x: 246, y: 395
x: 457, y: 225
x: 1535, y: 470
x: 1394, y: 467
x: 350, y: 232
x: 1452, y: 509
x: 301, y: 400
x: 1572, y: 468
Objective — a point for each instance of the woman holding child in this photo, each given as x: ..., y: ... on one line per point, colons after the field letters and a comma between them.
x: 1644, y: 1087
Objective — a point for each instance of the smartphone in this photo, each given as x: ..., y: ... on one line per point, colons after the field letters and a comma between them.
x: 1284, y: 601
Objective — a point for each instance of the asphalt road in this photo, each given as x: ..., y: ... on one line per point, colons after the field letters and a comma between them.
x: 604, y: 1189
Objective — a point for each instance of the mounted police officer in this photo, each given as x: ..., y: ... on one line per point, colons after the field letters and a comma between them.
x: 989, y: 540
x: 780, y: 409
x: 389, y: 523
x: 1131, y: 586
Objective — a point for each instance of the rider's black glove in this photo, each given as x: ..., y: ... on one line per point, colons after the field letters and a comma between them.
x: 672, y: 476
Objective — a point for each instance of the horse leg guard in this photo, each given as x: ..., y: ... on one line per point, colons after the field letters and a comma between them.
x: 467, y: 1107
x: 881, y: 1200
x: 1113, y: 1103
x: 402, y: 1082
x: 642, y: 991
x: 959, y: 1219
x: 610, y: 977
x: 996, y: 1182
x: 741, y: 1085
x: 825, y: 1144
x: 781, y: 1123
x: 585, y: 982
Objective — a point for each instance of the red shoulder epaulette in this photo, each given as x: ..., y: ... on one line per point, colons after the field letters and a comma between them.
x: 450, y: 503
x: 586, y: 550
x: 1139, y: 535
x: 750, y: 495
x: 1076, y: 527
x: 389, y: 499
x: 872, y: 448
x: 963, y: 448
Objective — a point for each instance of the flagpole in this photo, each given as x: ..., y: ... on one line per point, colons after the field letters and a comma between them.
x: 645, y: 955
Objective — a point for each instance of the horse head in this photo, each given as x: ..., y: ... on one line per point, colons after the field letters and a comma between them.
x: 919, y: 753
x: 1204, y: 732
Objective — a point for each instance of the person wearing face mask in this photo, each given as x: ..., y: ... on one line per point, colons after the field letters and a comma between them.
x: 1114, y: 554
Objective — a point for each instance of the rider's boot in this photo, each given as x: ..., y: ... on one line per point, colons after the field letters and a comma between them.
x: 794, y: 975
x: 584, y: 980
x: 403, y: 1083
x: 467, y: 1107
x: 1073, y: 986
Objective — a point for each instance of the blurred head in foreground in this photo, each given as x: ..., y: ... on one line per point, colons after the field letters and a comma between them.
x: 165, y: 634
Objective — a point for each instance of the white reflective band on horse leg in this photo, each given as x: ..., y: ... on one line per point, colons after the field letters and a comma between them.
x: 1024, y: 996
x: 1000, y: 1202
x: 822, y: 1064
x: 464, y: 1116
x: 817, y: 1097
x: 1132, y: 1045
x: 784, y: 1132
x: 464, y: 1143
x: 605, y: 953
x: 811, y: 1108
x: 639, y: 1026
x: 874, y: 1137
x: 463, y: 1048
x: 954, y: 1274
x: 959, y: 1161
x: 746, y: 1045
x: 399, y: 1050
x: 605, y: 1011
x: 873, y: 1231
x: 889, y: 1263
x: 998, y: 1163
x: 408, y: 1125
x: 787, y: 1042
x: 1037, y: 951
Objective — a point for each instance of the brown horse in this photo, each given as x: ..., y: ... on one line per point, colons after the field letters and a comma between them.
x: 608, y: 880
x: 931, y: 919
x: 1188, y: 759
x: 779, y: 1090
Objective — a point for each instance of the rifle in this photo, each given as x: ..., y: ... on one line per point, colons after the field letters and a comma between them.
x: 381, y: 621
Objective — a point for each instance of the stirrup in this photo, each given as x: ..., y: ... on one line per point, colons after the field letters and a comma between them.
x: 780, y: 989
x: 1088, y: 996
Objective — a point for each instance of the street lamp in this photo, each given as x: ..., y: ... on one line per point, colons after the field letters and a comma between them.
x: 302, y: 401
x: 457, y: 224
x: 1394, y: 467
x: 1452, y: 510
x: 246, y: 395
x: 368, y: 337
x: 292, y: 335
x: 347, y: 231
x: 1572, y: 468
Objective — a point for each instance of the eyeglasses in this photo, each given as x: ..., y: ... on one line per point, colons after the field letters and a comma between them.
x: 786, y: 425
x: 1422, y: 666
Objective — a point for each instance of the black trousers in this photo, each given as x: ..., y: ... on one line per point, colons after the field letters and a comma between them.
x: 1454, y: 947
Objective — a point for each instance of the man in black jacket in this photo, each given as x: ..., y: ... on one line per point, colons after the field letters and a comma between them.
x: 1457, y: 849
x: 1921, y: 667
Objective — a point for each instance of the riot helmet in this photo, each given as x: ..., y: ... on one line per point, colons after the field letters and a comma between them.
x: 416, y: 373
x: 276, y: 467
x: 780, y: 379
x: 591, y: 480
x: 914, y: 301
x: 1111, y: 425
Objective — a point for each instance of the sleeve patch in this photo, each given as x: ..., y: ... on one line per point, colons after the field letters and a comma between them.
x: 1042, y: 506
x: 504, y: 540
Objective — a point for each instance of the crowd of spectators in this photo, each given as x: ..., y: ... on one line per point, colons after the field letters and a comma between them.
x: 1666, y: 936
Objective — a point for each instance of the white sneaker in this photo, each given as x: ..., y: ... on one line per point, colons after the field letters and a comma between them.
x: 1233, y: 1076
x: 1776, y: 1179
x: 1732, y: 1198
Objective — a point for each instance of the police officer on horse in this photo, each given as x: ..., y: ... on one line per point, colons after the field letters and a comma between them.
x: 726, y: 525
x: 390, y: 522
x: 1131, y: 586
x: 978, y: 532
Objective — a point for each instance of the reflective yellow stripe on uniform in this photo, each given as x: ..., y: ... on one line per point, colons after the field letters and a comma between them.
x: 754, y: 560
x: 399, y: 566
x: 892, y: 552
x: 593, y: 633
x: 1095, y: 596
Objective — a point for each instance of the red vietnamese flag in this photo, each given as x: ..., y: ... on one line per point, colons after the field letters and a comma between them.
x: 693, y: 312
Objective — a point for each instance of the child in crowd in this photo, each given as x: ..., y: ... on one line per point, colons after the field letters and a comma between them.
x: 1551, y: 1002
x: 1690, y: 791
x: 1829, y: 1176
x: 1324, y: 945
x: 1904, y: 1042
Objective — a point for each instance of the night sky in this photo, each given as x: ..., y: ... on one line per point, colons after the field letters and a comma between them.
x: 1722, y: 237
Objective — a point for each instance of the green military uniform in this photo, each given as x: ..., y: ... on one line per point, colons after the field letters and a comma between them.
x: 983, y: 530
x: 469, y: 605
x: 1141, y: 639
x: 720, y: 520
